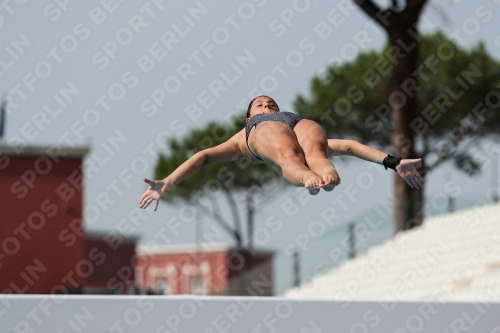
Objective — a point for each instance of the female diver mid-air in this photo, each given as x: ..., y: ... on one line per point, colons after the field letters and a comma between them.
x: 283, y: 139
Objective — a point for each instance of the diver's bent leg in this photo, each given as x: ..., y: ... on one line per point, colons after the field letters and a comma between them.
x: 293, y: 167
x: 313, y: 141
x: 277, y: 143
x: 327, y: 171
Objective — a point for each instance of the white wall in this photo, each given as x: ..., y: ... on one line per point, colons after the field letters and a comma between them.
x: 159, y: 314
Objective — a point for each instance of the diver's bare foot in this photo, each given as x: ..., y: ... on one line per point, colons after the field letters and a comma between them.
x: 330, y: 178
x: 312, y: 182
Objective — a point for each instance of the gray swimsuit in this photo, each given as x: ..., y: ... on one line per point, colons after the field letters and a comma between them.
x: 289, y: 118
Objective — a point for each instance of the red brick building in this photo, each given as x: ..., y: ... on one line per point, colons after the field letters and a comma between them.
x: 111, y: 264
x: 43, y: 246
x: 205, y: 269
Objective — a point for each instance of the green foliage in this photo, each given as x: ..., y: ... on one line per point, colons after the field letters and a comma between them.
x: 458, y: 96
x: 467, y: 164
x: 227, y: 177
x: 341, y: 100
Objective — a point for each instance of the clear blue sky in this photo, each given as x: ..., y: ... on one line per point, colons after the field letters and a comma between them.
x: 125, y: 76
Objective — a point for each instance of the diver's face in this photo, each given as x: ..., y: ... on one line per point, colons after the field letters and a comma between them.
x: 263, y: 104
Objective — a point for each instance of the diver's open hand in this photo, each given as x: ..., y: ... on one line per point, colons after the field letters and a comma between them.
x: 155, y: 191
x: 406, y: 169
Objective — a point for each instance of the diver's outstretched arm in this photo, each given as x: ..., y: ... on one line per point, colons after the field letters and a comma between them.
x: 406, y: 167
x: 227, y: 151
x: 338, y: 147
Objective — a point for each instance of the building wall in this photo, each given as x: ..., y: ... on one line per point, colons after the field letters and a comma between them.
x: 184, y: 273
x: 40, y: 225
x: 259, y: 279
x: 211, y: 273
x: 111, y: 266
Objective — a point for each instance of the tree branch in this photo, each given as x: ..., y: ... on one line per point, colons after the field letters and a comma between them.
x: 414, y: 9
x: 394, y: 5
x: 444, y: 158
x: 425, y: 139
x: 374, y: 12
x: 269, y: 197
x: 215, y: 204
x: 232, y: 206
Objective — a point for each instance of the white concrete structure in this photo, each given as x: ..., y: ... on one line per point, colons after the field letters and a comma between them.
x: 451, y: 256
x: 190, y: 314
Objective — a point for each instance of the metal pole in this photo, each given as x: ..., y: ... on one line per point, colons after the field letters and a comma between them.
x: 352, y: 241
x: 451, y: 204
x: 494, y: 176
x: 296, y: 268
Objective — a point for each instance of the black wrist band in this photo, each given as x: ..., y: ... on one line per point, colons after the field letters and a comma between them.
x: 391, y: 162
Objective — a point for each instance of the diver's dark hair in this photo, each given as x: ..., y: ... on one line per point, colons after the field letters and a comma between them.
x: 253, y: 100
x: 250, y: 106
